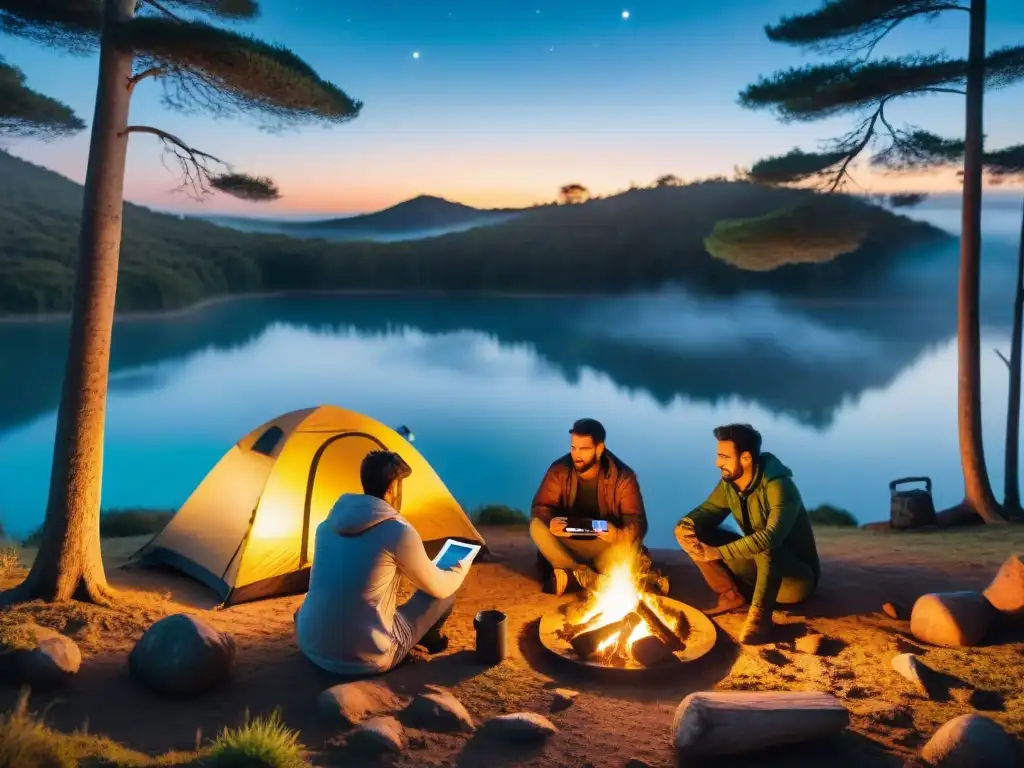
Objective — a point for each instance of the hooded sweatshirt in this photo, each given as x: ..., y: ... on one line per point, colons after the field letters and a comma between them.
x: 770, y: 513
x: 361, y: 551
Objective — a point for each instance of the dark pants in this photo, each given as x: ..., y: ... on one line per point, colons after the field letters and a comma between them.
x: 773, y: 577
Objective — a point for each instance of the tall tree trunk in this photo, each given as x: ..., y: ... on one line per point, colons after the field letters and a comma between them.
x: 69, y: 564
x: 1011, y: 480
x: 978, y: 496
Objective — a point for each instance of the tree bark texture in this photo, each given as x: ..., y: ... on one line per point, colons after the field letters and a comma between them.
x: 69, y: 563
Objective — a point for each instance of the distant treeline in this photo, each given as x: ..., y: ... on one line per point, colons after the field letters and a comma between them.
x: 640, y: 239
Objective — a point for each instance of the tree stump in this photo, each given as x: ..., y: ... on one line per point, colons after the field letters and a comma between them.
x: 952, y: 619
x: 714, y: 723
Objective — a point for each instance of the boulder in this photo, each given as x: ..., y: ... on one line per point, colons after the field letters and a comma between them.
x: 952, y: 619
x: 520, y: 727
x: 37, y: 656
x: 810, y: 644
x: 894, y: 611
x: 971, y: 741
x: 924, y: 679
x: 438, y: 710
x: 378, y: 736
x: 349, y: 704
x: 181, y: 656
x: 1006, y: 592
x: 564, y: 698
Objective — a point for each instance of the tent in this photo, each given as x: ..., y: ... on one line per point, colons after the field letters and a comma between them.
x: 247, y: 530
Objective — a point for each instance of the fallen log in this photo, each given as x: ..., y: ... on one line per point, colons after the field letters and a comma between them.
x: 714, y: 723
x: 586, y: 643
x: 664, y: 633
x: 649, y: 650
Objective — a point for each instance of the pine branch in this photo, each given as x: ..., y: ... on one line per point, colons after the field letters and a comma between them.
x: 1005, y: 162
x: 199, y: 180
x: 221, y: 9
x: 24, y: 112
x: 224, y: 73
x: 71, y: 25
x: 851, y: 26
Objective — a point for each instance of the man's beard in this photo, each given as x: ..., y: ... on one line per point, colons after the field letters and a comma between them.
x: 580, y: 469
x: 732, y: 476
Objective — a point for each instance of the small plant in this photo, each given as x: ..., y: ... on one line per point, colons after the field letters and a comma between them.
x: 26, y: 742
x: 10, y: 560
x: 827, y: 515
x: 499, y: 514
x: 264, y: 742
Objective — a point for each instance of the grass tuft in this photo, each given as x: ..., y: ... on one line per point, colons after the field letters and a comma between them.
x: 259, y: 743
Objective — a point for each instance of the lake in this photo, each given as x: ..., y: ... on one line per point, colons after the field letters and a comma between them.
x: 849, y: 395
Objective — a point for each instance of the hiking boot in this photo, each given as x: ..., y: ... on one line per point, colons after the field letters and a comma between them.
x: 757, y: 628
x: 435, y: 641
x: 727, y: 601
x: 586, y: 577
x: 557, y: 582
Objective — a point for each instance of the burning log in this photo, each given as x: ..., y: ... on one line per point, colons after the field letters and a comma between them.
x: 664, y: 633
x: 586, y: 643
x: 649, y: 650
x: 629, y: 622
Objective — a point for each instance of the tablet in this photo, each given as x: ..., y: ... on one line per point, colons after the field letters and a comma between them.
x: 453, y: 552
x: 585, y: 526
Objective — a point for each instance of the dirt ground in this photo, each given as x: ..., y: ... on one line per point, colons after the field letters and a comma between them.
x: 611, y: 721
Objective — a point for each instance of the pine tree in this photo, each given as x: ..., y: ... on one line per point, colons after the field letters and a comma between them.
x: 24, y: 112
x: 201, y: 67
x: 870, y: 89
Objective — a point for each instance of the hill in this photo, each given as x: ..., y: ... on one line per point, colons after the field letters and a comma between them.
x: 637, y: 240
x: 422, y: 216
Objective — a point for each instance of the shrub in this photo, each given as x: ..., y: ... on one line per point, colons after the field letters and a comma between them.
x: 259, y: 743
x: 120, y: 523
x: 826, y: 514
x: 10, y: 560
x: 499, y: 514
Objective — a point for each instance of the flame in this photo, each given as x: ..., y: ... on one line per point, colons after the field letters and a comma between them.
x: 616, y: 596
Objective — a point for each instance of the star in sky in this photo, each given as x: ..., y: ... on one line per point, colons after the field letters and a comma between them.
x: 415, y: 54
x: 625, y: 14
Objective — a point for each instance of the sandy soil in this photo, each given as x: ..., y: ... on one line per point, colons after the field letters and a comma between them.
x: 609, y: 722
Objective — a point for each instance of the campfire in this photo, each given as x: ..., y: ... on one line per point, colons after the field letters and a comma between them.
x: 619, y: 624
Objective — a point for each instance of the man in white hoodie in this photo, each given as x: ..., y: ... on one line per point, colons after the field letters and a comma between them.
x: 350, y: 622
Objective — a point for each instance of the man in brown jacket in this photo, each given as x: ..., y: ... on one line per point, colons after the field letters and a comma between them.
x: 588, y: 482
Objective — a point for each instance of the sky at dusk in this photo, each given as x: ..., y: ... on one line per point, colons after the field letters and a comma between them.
x: 499, y: 103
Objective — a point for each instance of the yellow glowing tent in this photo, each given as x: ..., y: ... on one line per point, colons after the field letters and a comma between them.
x: 248, y: 529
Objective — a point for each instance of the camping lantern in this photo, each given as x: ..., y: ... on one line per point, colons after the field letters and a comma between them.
x: 913, y: 508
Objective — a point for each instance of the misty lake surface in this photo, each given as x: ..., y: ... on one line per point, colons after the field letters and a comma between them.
x: 849, y: 394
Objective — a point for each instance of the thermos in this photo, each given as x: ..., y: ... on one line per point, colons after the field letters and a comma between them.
x: 491, y: 637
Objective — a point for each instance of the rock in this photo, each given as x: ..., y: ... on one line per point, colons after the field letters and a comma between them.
x: 349, y: 704
x: 564, y: 698
x: 924, y: 678
x: 181, y: 655
x: 895, y: 611
x: 378, y: 736
x: 971, y: 741
x: 521, y: 727
x: 636, y: 762
x: 38, y: 656
x: 438, y: 710
x: 809, y: 644
x: 952, y: 619
x: 1006, y: 592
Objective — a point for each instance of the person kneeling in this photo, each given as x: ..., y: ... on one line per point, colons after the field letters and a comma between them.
x: 589, y: 482
x: 776, y: 558
x: 349, y: 623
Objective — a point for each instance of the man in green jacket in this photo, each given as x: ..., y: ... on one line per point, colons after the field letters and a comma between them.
x: 775, y: 560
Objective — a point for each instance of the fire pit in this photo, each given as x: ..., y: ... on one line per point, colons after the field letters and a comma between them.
x: 619, y: 628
